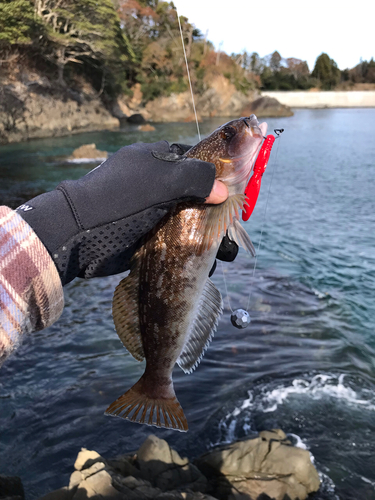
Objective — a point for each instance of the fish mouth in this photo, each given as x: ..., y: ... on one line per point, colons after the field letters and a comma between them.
x: 257, y: 133
x: 252, y: 123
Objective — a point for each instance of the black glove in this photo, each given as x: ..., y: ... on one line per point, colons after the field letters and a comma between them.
x: 91, y: 226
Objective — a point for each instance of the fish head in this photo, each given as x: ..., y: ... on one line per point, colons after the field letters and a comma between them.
x: 232, y: 148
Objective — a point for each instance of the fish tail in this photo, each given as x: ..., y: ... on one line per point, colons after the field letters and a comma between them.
x: 137, y: 406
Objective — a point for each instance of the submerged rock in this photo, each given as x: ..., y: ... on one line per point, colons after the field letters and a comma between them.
x: 262, y: 467
x: 146, y: 128
x: 266, y: 107
x: 88, y: 151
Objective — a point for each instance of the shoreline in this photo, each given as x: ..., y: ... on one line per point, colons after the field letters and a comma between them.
x: 324, y: 99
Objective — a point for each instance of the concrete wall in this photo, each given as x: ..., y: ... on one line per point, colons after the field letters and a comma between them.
x: 301, y: 99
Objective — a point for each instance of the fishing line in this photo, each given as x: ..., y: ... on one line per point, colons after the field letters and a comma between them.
x: 264, y: 220
x: 188, y: 73
x: 242, y: 319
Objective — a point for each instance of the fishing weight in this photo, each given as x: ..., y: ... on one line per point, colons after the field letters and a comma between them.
x: 240, y: 318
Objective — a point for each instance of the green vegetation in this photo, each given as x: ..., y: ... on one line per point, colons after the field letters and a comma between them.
x: 18, y: 24
x: 117, y: 43
x: 327, y: 72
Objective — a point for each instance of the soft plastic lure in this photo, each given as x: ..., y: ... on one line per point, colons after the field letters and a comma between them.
x: 253, y: 187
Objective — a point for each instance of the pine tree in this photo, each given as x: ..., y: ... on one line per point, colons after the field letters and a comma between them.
x: 326, y: 71
x: 85, y: 32
x: 17, y: 22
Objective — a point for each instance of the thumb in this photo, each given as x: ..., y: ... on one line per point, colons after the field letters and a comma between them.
x: 219, y: 193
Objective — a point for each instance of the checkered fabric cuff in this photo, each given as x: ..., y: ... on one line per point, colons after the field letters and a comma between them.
x: 31, y: 294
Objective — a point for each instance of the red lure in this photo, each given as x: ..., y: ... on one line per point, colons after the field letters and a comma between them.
x: 253, y: 187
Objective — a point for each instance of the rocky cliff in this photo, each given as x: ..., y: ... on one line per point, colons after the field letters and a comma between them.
x: 36, y: 108
x: 31, y: 107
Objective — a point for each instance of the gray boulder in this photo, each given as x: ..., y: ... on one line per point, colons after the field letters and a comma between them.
x: 265, y: 107
x: 267, y: 464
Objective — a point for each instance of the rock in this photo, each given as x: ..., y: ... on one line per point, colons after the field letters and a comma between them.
x: 265, y: 467
x: 88, y: 151
x: 146, y: 128
x: 41, y: 110
x: 192, y: 118
x: 164, y: 467
x: 266, y: 107
x: 221, y: 99
x: 267, y: 464
x: 86, y: 458
x: 136, y: 119
x: 65, y: 493
x: 124, y: 466
x: 11, y: 487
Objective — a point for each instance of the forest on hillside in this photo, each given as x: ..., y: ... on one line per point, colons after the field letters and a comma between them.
x: 117, y: 43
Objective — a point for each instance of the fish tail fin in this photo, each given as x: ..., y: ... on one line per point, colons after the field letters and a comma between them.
x: 137, y: 406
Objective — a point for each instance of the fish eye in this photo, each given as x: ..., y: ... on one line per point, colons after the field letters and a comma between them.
x: 227, y: 132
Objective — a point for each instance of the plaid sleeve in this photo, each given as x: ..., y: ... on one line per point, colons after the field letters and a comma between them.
x: 31, y: 294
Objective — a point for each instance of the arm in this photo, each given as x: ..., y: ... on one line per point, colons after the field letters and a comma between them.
x: 31, y: 295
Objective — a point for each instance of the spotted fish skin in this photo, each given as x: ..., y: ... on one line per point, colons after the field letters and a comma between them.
x: 167, y: 309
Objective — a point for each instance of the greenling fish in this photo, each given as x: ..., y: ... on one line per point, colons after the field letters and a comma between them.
x: 167, y: 309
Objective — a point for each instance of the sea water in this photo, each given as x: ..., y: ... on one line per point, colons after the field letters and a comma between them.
x: 306, y: 363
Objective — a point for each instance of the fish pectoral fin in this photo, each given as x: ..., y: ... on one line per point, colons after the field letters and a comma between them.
x: 126, y: 316
x: 137, y: 406
x: 201, y: 332
x: 216, y: 220
x: 238, y: 234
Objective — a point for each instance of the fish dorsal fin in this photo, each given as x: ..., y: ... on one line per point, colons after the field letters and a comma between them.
x: 208, y: 311
x: 217, y: 220
x: 238, y: 234
x: 126, y: 315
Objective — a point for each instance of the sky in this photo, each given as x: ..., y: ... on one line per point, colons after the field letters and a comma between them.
x: 345, y: 31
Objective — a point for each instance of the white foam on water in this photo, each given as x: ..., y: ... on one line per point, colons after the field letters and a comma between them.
x: 321, y: 385
x: 85, y: 160
x: 364, y: 479
x: 327, y: 486
x: 268, y: 400
x: 299, y: 443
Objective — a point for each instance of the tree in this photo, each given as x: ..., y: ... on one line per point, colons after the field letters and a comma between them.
x: 17, y: 22
x: 255, y: 63
x: 326, y: 71
x: 85, y: 32
x: 275, y: 61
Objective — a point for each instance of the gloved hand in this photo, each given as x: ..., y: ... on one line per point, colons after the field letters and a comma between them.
x: 91, y: 226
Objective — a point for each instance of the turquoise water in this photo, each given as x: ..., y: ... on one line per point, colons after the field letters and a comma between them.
x: 306, y: 364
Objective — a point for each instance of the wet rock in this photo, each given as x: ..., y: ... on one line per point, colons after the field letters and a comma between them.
x: 267, y: 464
x: 146, y: 128
x: 11, y: 487
x: 266, y: 107
x: 136, y: 119
x: 88, y: 151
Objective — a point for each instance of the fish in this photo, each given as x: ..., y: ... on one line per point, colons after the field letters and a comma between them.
x: 167, y: 309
